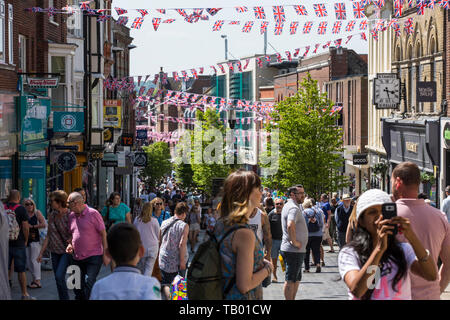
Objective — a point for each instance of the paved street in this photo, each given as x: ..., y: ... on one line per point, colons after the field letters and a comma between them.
x: 314, y: 286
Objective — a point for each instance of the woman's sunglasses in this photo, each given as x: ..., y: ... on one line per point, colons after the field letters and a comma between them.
x: 28, y: 204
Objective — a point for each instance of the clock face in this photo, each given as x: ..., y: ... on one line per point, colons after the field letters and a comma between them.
x: 386, y: 92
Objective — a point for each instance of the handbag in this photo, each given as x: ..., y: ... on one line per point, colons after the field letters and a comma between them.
x: 108, y: 223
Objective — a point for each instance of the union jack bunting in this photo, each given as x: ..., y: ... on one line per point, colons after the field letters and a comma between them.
x: 431, y: 4
x: 259, y: 62
x: 301, y: 10
x: 278, y: 14
x: 120, y: 11
x: 218, y: 25
x: 156, y: 22
x: 379, y: 26
x: 169, y: 21
x: 214, y: 69
x: 337, y: 43
x: 341, y: 14
x: 185, y: 75
x: 296, y: 52
x: 307, y: 27
x: 350, y: 26
x: 397, y: 8
x: 320, y: 10
x: 378, y: 3
x: 103, y: 18
x: 162, y: 11
x: 278, y: 57
x: 268, y: 59
x: 248, y: 27
x: 201, y: 69
x: 421, y: 5
x: 241, y: 9
x: 316, y: 47
x: 363, y: 25
x: 322, y: 27
x: 181, y: 12
x: 445, y: 4
x: 84, y: 5
x: 137, y: 23
x: 204, y: 17
x: 288, y: 55
x: 410, y: 3
x: 279, y: 28
x: 122, y: 21
x: 337, y: 27
x: 358, y: 10
x: 409, y: 26
x: 143, y: 12
x: 221, y: 68
x: 213, y: 11
x: 247, y: 61
x: 239, y: 65
x: 264, y: 25
x: 194, y: 73
x: 234, y: 23
x: 306, y: 51
x: 374, y: 34
x: 392, y: 23
x: 363, y: 36
x: 294, y: 26
x: 155, y: 80
x: 51, y: 11
x: 326, y: 45
x: 348, y: 39
x: 259, y: 13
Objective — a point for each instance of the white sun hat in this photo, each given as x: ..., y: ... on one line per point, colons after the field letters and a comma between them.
x: 371, y: 198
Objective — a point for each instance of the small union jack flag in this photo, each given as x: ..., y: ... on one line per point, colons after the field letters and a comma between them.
x: 230, y: 66
x: 363, y: 25
x: 431, y: 4
x: 358, y: 10
x: 156, y: 22
x: 247, y: 61
x: 296, y: 52
x: 397, y: 8
x: 137, y: 23
x: 259, y: 13
x: 421, y: 5
x: 268, y: 59
x: 374, y: 34
x: 379, y: 26
x: 120, y: 11
x: 294, y: 26
x: 214, y: 69
x: 234, y: 23
x: 241, y: 9
x: 301, y: 10
x: 279, y: 28
x: 326, y: 45
x: 194, y: 73
x: 51, y: 11
x: 350, y: 26
x: 221, y: 68
x: 316, y: 47
x: 307, y: 27
x: 337, y: 43
x: 279, y: 57
x: 348, y: 39
x: 392, y: 23
x: 248, y: 27
x: 337, y: 27
x: 169, y: 21
x: 122, y: 21
x: 288, y: 55
x: 162, y: 11
x: 322, y: 28
x: 278, y: 14
x: 410, y: 3
x: 143, y: 12
x: 306, y: 51
x: 378, y: 3
x: 218, y: 25
x: 320, y: 10
x: 341, y: 13
x: 84, y: 5
x: 213, y: 11
x: 363, y: 36
x: 445, y: 4
x: 259, y: 62
x: 409, y: 26
x: 264, y: 25
x: 181, y: 12
x: 103, y: 18
x: 201, y: 69
x: 239, y: 65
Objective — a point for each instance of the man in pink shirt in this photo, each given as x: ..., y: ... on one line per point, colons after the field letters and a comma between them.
x: 430, y: 226
x: 88, y: 243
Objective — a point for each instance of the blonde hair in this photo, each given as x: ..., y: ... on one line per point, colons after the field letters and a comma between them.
x: 32, y: 201
x: 352, y: 220
x: 146, y: 213
x: 307, y: 203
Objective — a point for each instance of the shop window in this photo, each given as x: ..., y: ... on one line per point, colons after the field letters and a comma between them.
x: 2, y: 30
x: 10, y: 34
x: 22, y: 53
x: 59, y: 95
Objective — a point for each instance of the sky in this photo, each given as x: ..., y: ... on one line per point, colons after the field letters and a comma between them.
x: 185, y: 46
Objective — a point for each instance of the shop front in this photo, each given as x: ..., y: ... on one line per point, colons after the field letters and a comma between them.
x: 416, y: 141
x: 445, y: 157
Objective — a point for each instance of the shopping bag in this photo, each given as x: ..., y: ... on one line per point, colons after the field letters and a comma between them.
x: 178, y: 290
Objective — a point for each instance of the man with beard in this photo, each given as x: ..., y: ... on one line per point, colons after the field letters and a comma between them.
x: 429, y: 224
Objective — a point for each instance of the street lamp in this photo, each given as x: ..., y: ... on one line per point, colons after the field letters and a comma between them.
x: 223, y: 36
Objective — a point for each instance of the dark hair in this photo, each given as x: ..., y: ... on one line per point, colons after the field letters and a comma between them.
x: 291, y: 190
x: 269, y: 202
x: 408, y: 172
x: 181, y: 208
x: 110, y: 200
x: 78, y: 190
x: 123, y: 242
x: 59, y: 196
x: 324, y: 195
x: 362, y: 244
x: 422, y: 196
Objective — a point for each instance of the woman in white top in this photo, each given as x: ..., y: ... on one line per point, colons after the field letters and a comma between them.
x: 149, y: 230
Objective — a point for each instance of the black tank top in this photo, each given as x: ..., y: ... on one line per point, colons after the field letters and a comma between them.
x: 34, y: 233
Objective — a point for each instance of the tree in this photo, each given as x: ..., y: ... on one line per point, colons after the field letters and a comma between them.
x: 185, y: 176
x: 158, y: 163
x: 310, y: 142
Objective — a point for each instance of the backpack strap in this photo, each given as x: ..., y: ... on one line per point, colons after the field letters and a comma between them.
x: 167, y: 229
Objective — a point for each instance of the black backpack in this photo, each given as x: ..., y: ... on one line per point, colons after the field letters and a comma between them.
x: 204, y: 276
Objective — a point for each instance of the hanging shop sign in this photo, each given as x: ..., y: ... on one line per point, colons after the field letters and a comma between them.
x: 360, y: 159
x: 109, y: 159
x: 126, y: 140
x: 140, y: 159
x: 67, y: 161
x: 426, y: 91
x: 108, y: 134
x: 112, y: 113
x: 33, y: 117
x: 43, y: 82
x: 141, y: 134
x: 68, y: 121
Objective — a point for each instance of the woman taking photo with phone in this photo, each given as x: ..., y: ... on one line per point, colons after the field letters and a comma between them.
x: 374, y: 265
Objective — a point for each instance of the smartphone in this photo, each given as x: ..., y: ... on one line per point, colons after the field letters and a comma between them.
x: 389, y: 211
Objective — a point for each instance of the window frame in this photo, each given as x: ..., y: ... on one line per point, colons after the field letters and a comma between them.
x: 10, y: 34
x: 2, y: 31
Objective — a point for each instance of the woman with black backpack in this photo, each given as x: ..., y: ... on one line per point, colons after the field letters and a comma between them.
x: 314, y: 221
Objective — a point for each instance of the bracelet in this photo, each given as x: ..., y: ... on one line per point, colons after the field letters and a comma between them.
x: 425, y: 259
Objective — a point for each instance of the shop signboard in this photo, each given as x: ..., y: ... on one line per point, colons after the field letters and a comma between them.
x: 43, y: 82
x: 360, y: 159
x: 32, y: 169
x: 67, y: 161
x: 109, y: 159
x: 426, y: 91
x: 112, y: 113
x: 34, y: 114
x: 68, y: 121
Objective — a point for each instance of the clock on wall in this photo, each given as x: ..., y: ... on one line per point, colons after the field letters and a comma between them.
x: 386, y: 91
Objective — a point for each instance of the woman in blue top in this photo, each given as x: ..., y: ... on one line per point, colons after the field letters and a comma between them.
x: 118, y: 211
x: 314, y: 221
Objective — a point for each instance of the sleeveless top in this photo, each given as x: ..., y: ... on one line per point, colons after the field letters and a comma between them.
x: 169, y: 252
x: 229, y: 264
x: 34, y: 233
x: 255, y: 224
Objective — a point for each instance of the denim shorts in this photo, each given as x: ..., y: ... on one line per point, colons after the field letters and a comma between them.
x: 293, y: 262
x: 276, y: 244
x: 20, y: 258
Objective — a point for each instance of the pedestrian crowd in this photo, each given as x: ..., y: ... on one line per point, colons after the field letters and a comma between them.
x: 391, y: 246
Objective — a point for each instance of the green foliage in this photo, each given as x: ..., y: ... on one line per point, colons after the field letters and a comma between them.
x: 158, y: 163
x: 310, y: 142
x: 185, y: 176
